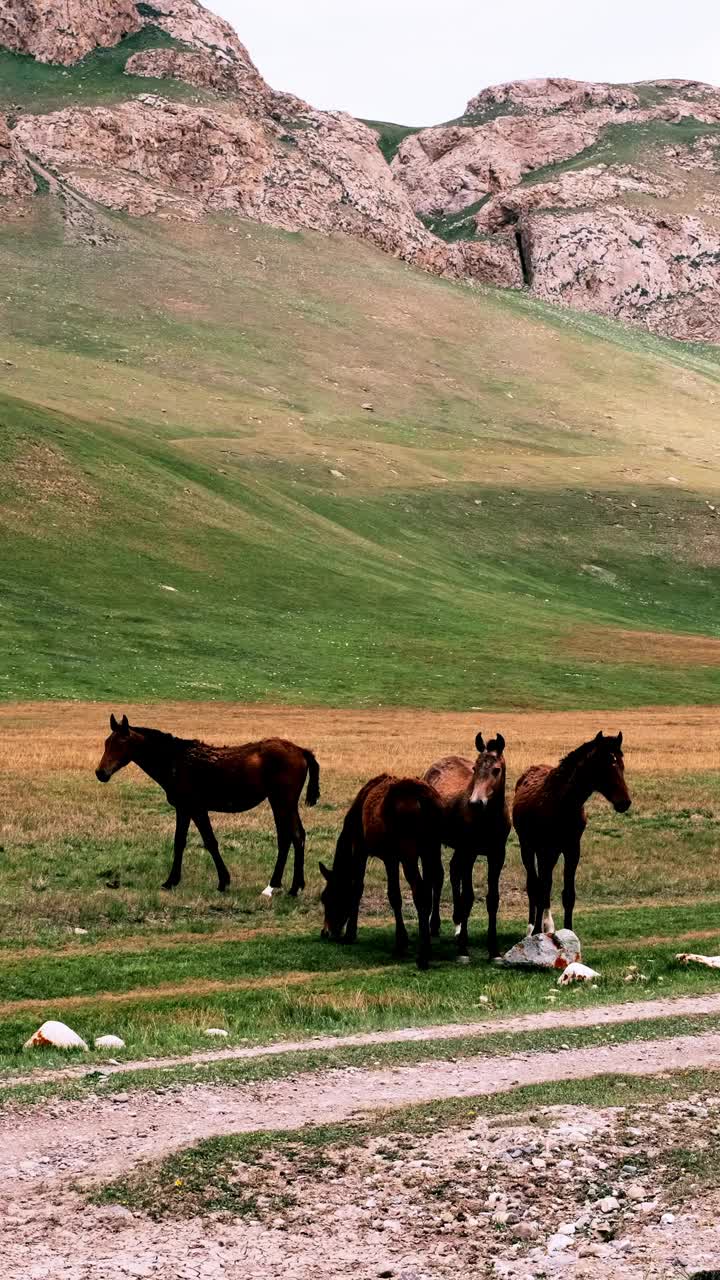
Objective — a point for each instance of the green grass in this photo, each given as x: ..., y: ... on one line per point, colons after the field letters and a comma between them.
x: 99, y: 79
x: 201, y: 1179
x: 628, y: 144
x: 390, y: 135
x: 170, y: 441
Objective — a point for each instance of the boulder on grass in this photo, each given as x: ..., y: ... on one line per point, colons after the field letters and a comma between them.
x: 109, y: 1042
x: 577, y: 972
x: 544, y: 951
x: 55, y: 1035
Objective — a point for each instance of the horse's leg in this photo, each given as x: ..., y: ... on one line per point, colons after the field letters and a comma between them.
x: 456, y: 885
x: 527, y: 854
x: 421, y: 897
x: 572, y: 857
x: 496, y: 862
x: 284, y: 829
x: 357, y: 892
x: 438, y: 879
x: 204, y: 826
x: 392, y: 867
x: 544, y: 922
x: 182, y: 826
x: 298, y: 843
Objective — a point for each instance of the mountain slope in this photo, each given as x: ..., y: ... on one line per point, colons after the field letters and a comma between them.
x: 195, y: 502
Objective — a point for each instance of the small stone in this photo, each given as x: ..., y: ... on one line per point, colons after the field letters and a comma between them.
x: 109, y: 1042
x: 667, y: 1219
x: 567, y: 1229
x: 608, y: 1204
x: 115, y: 1216
x: 525, y: 1231
x: 368, y: 407
x: 635, y: 1192
x: 80, y: 932
x: 558, y: 1242
x: 217, y: 1031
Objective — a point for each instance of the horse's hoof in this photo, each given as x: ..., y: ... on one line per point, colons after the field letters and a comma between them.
x: 463, y: 959
x: 168, y: 885
x: 223, y: 886
x: 295, y: 890
x: 269, y: 891
x: 423, y: 963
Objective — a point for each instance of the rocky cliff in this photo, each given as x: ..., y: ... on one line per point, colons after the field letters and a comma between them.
x: 601, y: 197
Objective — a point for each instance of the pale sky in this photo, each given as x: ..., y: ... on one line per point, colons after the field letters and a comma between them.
x: 416, y: 62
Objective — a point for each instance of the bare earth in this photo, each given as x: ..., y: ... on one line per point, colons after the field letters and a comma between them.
x: 383, y: 1225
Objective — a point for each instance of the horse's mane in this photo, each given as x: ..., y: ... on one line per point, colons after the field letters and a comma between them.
x: 168, y: 740
x: 572, y: 761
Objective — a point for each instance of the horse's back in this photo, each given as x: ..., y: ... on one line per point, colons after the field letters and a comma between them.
x: 235, y: 778
x: 399, y: 810
x: 530, y: 789
x: 449, y: 777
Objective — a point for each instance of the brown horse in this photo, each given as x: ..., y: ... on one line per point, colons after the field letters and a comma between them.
x: 549, y: 817
x: 476, y: 821
x: 198, y: 778
x: 398, y: 821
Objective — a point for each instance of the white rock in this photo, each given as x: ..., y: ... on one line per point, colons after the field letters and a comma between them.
x: 216, y: 1031
x: 558, y: 1242
x: 577, y: 972
x: 543, y: 951
x: 109, y: 1042
x: 80, y: 932
x: 667, y: 1219
x: 608, y: 1204
x: 566, y: 1229
x: 55, y: 1035
x: 709, y: 962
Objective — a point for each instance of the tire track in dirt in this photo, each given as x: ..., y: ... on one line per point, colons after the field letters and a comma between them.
x: 100, y: 1137
x: 549, y: 1020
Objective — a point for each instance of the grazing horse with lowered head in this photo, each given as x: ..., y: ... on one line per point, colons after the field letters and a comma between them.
x: 476, y: 822
x: 398, y: 821
x: 198, y: 779
x: 549, y: 817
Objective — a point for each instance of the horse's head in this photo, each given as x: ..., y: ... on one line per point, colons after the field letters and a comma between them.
x: 488, y: 778
x: 118, y: 749
x: 336, y: 900
x: 610, y: 778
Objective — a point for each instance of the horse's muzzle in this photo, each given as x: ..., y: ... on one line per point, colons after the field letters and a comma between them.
x: 102, y: 775
x: 622, y: 806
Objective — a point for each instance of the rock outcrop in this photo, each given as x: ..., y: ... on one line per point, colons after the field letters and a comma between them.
x: 595, y: 196
x: 65, y: 31
x: 16, y: 180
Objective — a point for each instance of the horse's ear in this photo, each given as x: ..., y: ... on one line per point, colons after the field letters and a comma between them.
x: 125, y: 726
x: 113, y: 722
x: 619, y: 739
x: 499, y: 743
x: 479, y: 743
x: 599, y: 736
x: 324, y: 871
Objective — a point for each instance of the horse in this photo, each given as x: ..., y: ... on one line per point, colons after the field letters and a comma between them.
x: 398, y: 821
x: 198, y: 778
x: 549, y: 817
x: 476, y: 821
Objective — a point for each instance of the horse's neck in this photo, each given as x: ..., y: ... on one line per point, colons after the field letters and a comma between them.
x: 577, y: 786
x: 155, y: 760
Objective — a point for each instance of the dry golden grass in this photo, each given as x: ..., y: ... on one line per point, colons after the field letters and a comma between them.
x: 644, y: 646
x: 49, y: 751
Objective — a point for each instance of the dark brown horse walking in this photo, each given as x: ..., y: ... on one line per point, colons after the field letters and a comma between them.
x: 398, y: 821
x: 198, y: 779
x: 549, y: 817
x: 476, y: 822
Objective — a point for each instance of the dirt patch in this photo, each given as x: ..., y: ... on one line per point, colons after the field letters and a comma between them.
x: 41, y: 477
x: 401, y: 1206
x: 643, y: 647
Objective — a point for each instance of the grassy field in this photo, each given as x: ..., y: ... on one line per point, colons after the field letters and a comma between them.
x: 195, y: 504
x: 159, y: 969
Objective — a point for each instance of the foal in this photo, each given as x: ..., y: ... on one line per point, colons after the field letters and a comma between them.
x: 398, y: 821
x: 476, y: 821
x: 197, y: 778
x: 549, y: 817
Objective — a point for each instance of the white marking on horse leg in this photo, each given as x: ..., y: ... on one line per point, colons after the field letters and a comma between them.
x: 530, y: 931
x: 464, y: 959
x: 268, y: 892
x: 548, y: 922
x: 458, y: 930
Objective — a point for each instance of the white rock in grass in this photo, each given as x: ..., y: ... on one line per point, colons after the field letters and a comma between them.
x: 217, y: 1031
x: 109, y: 1042
x: 55, y: 1035
x: 577, y: 972
x: 709, y: 962
x: 543, y: 951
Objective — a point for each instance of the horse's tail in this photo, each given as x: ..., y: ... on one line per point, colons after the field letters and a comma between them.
x: 312, y: 795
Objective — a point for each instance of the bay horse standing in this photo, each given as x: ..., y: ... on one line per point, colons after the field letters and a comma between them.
x: 398, y: 821
x: 549, y: 817
x: 476, y: 822
x: 198, y: 778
